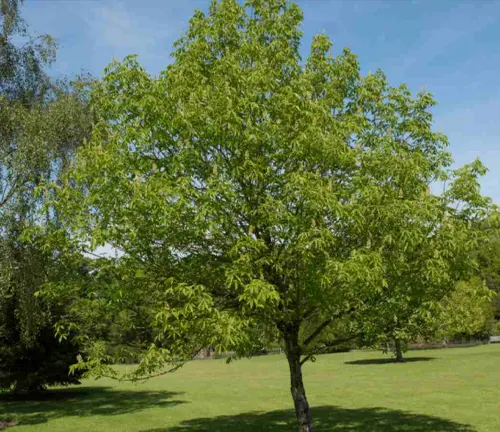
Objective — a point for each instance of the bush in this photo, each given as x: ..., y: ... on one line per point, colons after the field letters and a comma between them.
x: 31, y: 368
x: 31, y: 357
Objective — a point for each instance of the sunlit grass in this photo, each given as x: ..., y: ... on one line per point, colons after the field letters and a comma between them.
x: 440, y: 390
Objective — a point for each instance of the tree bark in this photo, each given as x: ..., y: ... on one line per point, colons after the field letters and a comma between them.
x: 293, y: 354
x: 399, y: 351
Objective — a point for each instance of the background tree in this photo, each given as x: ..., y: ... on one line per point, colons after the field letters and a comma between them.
x: 248, y: 186
x: 467, y: 311
x: 107, y: 306
x: 488, y: 254
x: 23, y: 57
x: 41, y: 124
x: 421, y: 270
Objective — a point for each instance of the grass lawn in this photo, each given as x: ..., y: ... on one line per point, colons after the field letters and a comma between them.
x: 437, y: 390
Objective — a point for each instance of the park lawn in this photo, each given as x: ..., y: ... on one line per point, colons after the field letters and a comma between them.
x: 437, y: 390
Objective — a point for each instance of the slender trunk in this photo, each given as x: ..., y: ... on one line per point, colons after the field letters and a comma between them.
x: 399, y: 351
x: 443, y: 342
x: 293, y: 353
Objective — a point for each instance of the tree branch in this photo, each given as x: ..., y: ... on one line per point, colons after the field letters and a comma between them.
x: 333, y: 343
x: 147, y: 377
x: 325, y: 324
x: 316, y: 332
x: 8, y: 196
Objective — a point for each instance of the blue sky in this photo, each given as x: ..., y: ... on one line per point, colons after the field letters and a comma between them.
x: 451, y: 48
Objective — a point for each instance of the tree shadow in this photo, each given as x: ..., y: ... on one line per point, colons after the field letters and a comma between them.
x: 389, y: 361
x: 83, y: 402
x: 325, y: 419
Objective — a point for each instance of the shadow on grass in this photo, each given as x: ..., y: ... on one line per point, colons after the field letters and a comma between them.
x: 389, y: 361
x: 325, y: 419
x: 83, y: 402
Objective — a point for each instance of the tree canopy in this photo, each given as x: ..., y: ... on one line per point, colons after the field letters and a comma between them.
x: 245, y: 186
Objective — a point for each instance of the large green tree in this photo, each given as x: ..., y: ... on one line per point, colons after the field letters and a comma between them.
x: 247, y: 185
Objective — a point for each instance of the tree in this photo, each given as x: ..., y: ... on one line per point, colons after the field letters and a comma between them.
x: 37, y: 147
x: 249, y: 186
x: 31, y: 357
x: 489, y: 261
x: 489, y: 252
x: 41, y: 123
x: 97, y: 315
x: 421, y: 271
x: 467, y: 312
x: 23, y: 57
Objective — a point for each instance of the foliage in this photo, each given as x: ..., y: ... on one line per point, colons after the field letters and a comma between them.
x: 105, y: 308
x: 249, y: 187
x: 496, y: 328
x: 23, y: 57
x: 422, y: 270
x: 41, y: 123
x: 37, y: 141
x: 341, y: 335
x: 467, y: 311
x: 30, y: 355
x: 488, y: 255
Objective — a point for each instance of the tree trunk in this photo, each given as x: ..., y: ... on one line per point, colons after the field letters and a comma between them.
x: 293, y: 354
x: 443, y: 342
x: 399, y: 351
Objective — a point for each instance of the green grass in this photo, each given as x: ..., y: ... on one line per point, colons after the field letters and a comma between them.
x: 440, y: 390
